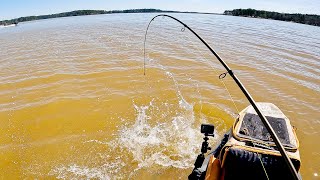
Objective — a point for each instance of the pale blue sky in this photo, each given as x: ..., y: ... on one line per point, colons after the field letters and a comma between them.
x: 16, y: 8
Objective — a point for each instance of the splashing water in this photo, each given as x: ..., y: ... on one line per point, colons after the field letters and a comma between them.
x: 171, y: 144
x: 148, y: 144
x: 80, y: 172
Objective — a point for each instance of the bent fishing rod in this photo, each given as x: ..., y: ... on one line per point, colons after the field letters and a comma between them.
x: 242, y: 88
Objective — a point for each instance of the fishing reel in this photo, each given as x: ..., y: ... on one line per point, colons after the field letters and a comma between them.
x: 197, y: 173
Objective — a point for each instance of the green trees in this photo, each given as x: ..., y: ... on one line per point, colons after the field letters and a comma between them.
x: 298, y: 18
x: 75, y: 13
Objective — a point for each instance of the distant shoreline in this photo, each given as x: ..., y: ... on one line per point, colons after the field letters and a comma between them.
x: 252, y: 13
x: 309, y: 19
x: 87, y: 12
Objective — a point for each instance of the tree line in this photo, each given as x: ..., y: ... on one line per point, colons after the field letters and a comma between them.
x: 310, y: 19
x: 298, y: 18
x: 76, y: 13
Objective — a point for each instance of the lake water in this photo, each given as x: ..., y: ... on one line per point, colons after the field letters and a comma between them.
x: 74, y: 102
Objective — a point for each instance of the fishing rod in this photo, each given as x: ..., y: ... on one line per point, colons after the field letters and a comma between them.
x: 242, y: 88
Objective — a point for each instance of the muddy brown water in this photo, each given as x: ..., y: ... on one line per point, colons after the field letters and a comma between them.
x: 74, y: 102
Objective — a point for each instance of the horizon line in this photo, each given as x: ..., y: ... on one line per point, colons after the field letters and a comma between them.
x: 147, y: 12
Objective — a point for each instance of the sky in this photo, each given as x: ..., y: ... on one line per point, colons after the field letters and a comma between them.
x: 17, y: 8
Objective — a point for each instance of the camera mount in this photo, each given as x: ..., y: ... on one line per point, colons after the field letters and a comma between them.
x: 207, y: 130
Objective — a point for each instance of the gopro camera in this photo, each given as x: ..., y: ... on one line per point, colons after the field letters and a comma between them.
x: 207, y: 129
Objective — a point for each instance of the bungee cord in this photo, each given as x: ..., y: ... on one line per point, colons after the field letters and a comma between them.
x: 240, y: 85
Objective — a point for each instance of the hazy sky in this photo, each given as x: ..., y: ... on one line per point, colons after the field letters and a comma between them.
x: 16, y: 8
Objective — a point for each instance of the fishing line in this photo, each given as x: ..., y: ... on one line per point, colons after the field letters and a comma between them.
x: 242, y: 88
x: 205, y: 60
x: 221, y: 77
x: 197, y: 85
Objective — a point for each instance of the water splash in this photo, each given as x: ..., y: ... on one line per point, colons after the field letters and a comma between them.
x: 79, y: 172
x: 144, y: 145
x: 148, y: 143
x: 174, y: 143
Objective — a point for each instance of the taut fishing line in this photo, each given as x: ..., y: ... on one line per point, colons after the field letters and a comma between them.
x: 240, y: 85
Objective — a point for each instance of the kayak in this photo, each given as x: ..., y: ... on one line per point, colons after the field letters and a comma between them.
x: 247, y: 150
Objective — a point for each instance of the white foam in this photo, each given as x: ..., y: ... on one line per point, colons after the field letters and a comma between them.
x: 175, y: 143
x: 78, y: 172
